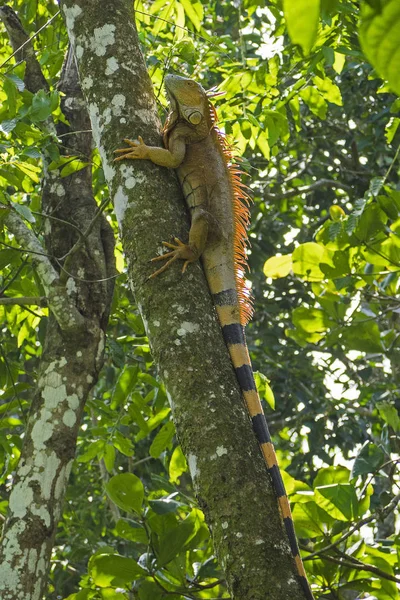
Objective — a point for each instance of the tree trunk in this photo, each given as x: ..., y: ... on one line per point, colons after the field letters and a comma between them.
x: 228, y: 473
x: 79, y: 294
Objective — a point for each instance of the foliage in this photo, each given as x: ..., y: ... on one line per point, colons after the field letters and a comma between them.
x: 318, y: 132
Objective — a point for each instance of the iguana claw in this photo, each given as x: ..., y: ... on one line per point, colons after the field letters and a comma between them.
x: 179, y: 250
x: 135, y: 150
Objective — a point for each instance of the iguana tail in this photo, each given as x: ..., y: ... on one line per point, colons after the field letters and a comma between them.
x: 233, y: 332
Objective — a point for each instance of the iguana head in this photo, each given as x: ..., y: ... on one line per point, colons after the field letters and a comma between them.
x: 188, y: 100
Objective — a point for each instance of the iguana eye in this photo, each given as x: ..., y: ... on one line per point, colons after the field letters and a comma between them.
x: 195, y: 117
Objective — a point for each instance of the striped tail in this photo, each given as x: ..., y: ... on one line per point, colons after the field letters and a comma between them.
x: 234, y: 337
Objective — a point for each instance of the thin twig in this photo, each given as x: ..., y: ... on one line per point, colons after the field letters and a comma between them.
x: 85, y: 234
x: 63, y: 221
x: 25, y: 300
x: 391, y: 165
x: 30, y: 39
x: 25, y: 250
x: 308, y: 189
x: 13, y: 276
x: 87, y: 280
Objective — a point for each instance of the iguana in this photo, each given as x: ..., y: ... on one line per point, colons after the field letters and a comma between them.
x: 218, y: 203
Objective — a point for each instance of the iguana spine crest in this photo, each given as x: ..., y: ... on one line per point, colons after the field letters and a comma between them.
x: 241, y: 214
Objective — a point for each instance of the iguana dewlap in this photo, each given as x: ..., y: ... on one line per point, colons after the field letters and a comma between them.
x: 219, y: 217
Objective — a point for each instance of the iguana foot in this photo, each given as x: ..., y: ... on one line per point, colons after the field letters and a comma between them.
x: 179, y: 250
x: 135, y: 150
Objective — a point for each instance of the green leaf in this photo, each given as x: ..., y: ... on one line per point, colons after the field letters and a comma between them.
x: 339, y: 500
x: 263, y: 144
x: 389, y: 414
x: 17, y: 81
x: 31, y: 170
x: 111, y: 594
x: 329, y: 6
x: 375, y: 185
x: 186, y: 49
x: 177, y: 465
x: 92, y: 452
x: 151, y: 591
x: 363, y: 335
x: 380, y: 40
x: 31, y: 152
x: 73, y: 167
x: 302, y: 18
x: 164, y: 506
x: 194, y: 12
x: 315, y: 101
x: 41, y: 107
x: 11, y: 92
x: 8, y: 125
x: 24, y: 332
x: 335, y: 229
x: 307, y: 519
x: 174, y: 541
x: 264, y: 389
x: 122, y: 443
x: 339, y: 62
x: 13, y: 178
x: 329, y: 90
x: 307, y: 259
x: 163, y: 11
x: 311, y: 320
x: 328, y: 475
x: 6, y: 256
x: 311, y: 325
x: 82, y: 595
x: 24, y: 211
x: 391, y: 128
x: 114, y: 570
x: 154, y: 421
x: 389, y: 205
x: 162, y: 439
x: 368, y: 460
x: 109, y: 457
x: 126, y: 491
x: 129, y: 530
x: 278, y: 266
x: 124, y: 386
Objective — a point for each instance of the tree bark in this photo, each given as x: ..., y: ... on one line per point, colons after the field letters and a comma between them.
x: 227, y: 470
x: 78, y: 296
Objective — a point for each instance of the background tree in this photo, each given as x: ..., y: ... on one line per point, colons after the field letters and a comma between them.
x: 310, y: 120
x: 63, y: 263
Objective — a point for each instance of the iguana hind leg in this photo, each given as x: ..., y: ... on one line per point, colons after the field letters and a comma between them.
x: 188, y: 252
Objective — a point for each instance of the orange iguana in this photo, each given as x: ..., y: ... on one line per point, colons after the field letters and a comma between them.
x: 219, y: 217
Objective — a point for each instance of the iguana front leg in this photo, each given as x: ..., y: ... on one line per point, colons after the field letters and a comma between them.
x: 171, y: 157
x: 160, y: 156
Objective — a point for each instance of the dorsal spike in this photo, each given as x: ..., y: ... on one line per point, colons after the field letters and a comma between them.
x: 241, y: 212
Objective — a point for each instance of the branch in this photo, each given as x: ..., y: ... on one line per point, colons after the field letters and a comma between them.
x: 83, y: 239
x: 12, y: 276
x: 66, y: 314
x: 307, y: 189
x: 23, y: 50
x: 360, y: 566
x: 382, y: 513
x: 25, y: 300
